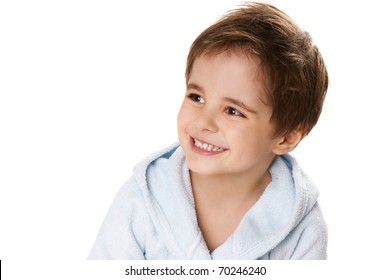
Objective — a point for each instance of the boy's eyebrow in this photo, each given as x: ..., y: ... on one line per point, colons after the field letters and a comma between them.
x: 195, y: 87
x: 241, y: 104
x: 235, y: 101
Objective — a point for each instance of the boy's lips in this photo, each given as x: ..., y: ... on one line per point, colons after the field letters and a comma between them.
x: 204, y: 147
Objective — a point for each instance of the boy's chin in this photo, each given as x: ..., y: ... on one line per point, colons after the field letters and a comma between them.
x: 204, y: 171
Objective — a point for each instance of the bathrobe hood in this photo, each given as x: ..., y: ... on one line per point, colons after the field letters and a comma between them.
x: 285, y: 223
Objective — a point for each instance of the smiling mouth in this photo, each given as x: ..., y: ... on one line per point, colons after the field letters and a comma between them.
x: 206, y: 146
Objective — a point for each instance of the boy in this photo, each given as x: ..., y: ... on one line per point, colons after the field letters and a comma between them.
x: 255, y: 89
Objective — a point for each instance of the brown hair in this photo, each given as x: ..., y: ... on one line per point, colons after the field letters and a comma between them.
x: 297, y: 76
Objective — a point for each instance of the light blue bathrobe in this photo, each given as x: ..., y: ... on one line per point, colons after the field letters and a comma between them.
x: 153, y: 217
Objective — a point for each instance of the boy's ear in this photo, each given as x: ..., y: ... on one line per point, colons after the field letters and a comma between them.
x: 289, y: 142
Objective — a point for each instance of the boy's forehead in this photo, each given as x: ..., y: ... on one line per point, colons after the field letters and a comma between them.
x: 259, y: 65
x: 229, y: 52
x: 258, y: 72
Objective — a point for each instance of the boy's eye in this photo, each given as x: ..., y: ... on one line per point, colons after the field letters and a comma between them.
x: 196, y: 98
x: 234, y: 112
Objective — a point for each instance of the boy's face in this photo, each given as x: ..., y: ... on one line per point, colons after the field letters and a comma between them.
x: 223, y: 125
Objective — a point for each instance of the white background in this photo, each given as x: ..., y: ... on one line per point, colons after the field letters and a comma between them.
x: 88, y: 88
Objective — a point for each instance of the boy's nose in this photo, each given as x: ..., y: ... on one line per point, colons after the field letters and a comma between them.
x: 206, y: 121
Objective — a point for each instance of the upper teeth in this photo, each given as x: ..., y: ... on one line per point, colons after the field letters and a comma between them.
x: 207, y: 147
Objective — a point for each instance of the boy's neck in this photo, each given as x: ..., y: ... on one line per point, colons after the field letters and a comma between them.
x: 231, y: 187
x: 222, y: 201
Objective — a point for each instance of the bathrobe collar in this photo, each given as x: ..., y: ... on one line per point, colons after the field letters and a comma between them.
x: 167, y: 190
